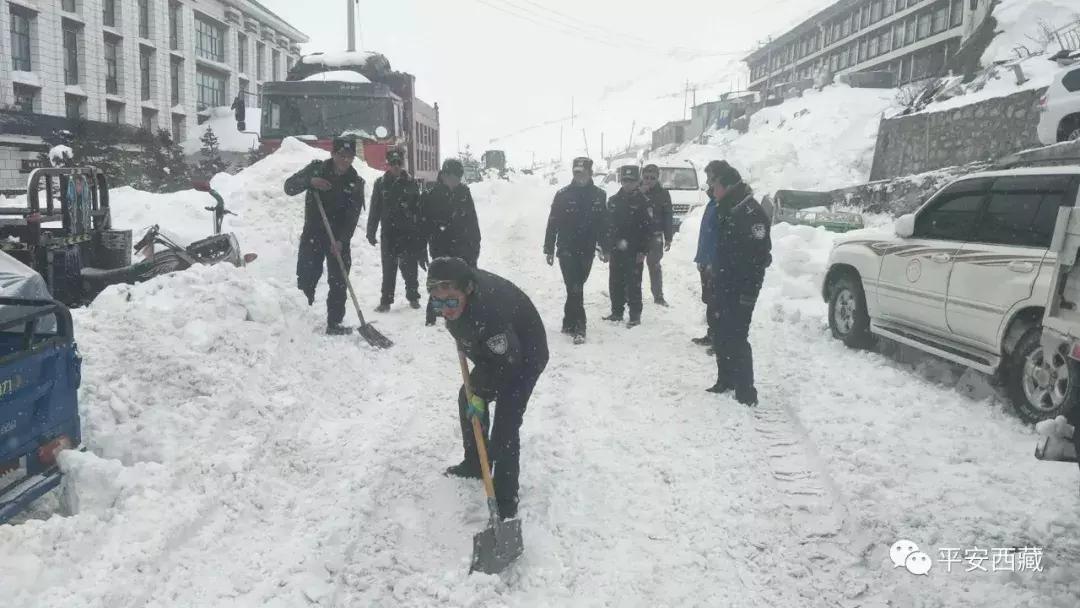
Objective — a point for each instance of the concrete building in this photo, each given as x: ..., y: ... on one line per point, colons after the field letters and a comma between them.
x: 156, y: 64
x: 673, y: 132
x: 911, y: 39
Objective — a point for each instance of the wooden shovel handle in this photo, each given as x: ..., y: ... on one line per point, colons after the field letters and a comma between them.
x: 478, y: 431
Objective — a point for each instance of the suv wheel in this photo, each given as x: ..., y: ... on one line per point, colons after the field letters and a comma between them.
x: 1040, y: 385
x: 848, y: 318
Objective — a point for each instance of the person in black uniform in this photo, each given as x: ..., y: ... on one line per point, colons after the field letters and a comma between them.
x: 663, y: 228
x: 395, y: 202
x: 744, y: 252
x: 448, y: 218
x: 629, y: 232
x: 576, y: 224
x: 497, y: 327
x: 342, y: 192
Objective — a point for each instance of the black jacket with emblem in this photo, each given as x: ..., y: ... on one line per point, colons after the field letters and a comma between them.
x: 577, y: 221
x: 449, y: 221
x: 629, y: 220
x: 395, y: 203
x: 660, y: 204
x: 343, y: 203
x: 501, y: 333
x: 744, y: 243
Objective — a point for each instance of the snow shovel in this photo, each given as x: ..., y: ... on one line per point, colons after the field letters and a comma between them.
x: 500, y: 544
x: 366, y: 331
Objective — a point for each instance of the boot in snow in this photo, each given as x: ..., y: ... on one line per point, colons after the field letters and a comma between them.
x: 415, y: 304
x: 507, y: 508
x: 747, y: 397
x: 719, y: 388
x: 703, y: 341
x: 383, y: 307
x: 579, y: 338
x: 633, y: 322
x: 466, y: 469
x: 337, y: 329
x: 615, y: 316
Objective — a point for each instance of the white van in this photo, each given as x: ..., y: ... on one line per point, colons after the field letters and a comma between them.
x: 681, y: 181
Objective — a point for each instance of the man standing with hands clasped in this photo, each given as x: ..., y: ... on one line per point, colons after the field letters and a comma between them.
x: 576, y: 225
x: 341, y: 190
x: 395, y: 202
x: 629, y: 233
x: 663, y: 228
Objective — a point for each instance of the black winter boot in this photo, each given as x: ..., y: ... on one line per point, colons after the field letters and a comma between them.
x: 337, y: 329
x: 466, y: 469
x: 507, y: 508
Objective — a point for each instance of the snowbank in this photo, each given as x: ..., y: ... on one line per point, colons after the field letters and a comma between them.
x: 822, y: 140
x: 1021, y: 23
x: 338, y: 76
x: 223, y: 121
x: 339, y: 59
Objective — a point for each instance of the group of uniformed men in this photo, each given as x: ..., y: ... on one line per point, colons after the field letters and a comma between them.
x: 494, y: 322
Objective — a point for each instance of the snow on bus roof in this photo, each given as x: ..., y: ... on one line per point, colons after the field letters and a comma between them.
x: 338, y: 59
x: 337, y: 76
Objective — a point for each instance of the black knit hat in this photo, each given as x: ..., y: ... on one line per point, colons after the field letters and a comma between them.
x: 455, y: 271
x: 394, y: 155
x: 345, y: 144
x: 453, y: 166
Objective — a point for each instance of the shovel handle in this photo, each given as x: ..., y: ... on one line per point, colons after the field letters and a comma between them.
x: 478, y: 431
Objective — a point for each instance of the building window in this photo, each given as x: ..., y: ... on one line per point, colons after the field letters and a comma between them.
x: 144, y: 19
x: 20, y: 42
x: 175, y: 66
x: 241, y: 52
x: 68, y: 5
x: 209, y: 40
x: 211, y: 89
x: 941, y: 18
x: 179, y: 134
x: 260, y: 60
x: 146, y: 60
x: 886, y: 42
x: 114, y: 112
x: 71, y: 54
x: 288, y: 64
x: 909, y: 37
x: 275, y: 65
x: 957, y: 17
x: 258, y: 94
x: 901, y: 5
x: 24, y: 98
x: 73, y: 105
x: 873, y: 48
x: 149, y: 120
x: 174, y: 26
x: 112, y: 66
x: 108, y: 12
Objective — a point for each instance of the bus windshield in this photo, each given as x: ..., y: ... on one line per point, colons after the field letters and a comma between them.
x: 324, y: 117
x: 678, y: 178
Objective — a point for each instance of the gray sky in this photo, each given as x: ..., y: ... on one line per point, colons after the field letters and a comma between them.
x: 497, y: 67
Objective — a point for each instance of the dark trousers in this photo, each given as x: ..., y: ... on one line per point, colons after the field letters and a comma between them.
x: 731, y: 331
x: 394, y: 256
x: 624, y: 283
x: 504, y: 439
x: 309, y: 268
x: 652, y: 260
x: 470, y: 258
x: 710, y: 308
x: 575, y: 271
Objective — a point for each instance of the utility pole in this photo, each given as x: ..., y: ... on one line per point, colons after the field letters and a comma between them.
x: 560, y: 144
x: 352, y: 24
x: 571, y: 112
x: 685, y: 99
x: 601, y: 144
x: 586, y: 138
x: 630, y: 142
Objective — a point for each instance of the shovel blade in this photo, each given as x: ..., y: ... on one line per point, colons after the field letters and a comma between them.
x: 373, y: 337
x: 497, y: 547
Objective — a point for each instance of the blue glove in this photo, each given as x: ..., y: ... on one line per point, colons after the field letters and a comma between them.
x: 475, y: 408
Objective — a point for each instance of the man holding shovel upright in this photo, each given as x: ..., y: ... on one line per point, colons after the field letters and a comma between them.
x: 341, y: 190
x: 497, y: 327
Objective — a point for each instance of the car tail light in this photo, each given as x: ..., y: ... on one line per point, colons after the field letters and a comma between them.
x: 250, y: 257
x: 1042, y: 104
x: 48, y: 452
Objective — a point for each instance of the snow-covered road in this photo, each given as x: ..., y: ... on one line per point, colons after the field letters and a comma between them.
x: 240, y: 458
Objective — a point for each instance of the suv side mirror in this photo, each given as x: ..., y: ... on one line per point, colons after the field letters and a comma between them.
x: 201, y: 186
x: 905, y: 225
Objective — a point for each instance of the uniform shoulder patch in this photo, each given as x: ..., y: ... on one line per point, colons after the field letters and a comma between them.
x: 758, y: 230
x: 498, y: 343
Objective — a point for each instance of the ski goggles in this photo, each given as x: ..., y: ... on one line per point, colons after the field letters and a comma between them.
x: 441, y: 303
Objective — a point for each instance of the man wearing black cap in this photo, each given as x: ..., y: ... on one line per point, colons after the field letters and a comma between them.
x: 743, y: 253
x: 629, y: 232
x: 395, y: 202
x: 497, y: 327
x: 342, y: 192
x: 448, y: 218
x: 663, y: 228
x: 576, y: 224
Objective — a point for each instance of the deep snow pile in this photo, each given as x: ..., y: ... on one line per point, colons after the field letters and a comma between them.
x: 822, y: 140
x: 240, y: 458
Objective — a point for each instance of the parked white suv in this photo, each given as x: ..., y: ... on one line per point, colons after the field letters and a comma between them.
x: 966, y: 278
x: 1059, y: 108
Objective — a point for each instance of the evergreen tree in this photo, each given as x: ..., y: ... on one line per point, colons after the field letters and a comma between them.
x: 211, y: 163
x: 176, y: 167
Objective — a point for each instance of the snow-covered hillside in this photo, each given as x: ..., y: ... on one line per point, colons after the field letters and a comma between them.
x: 238, y: 457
